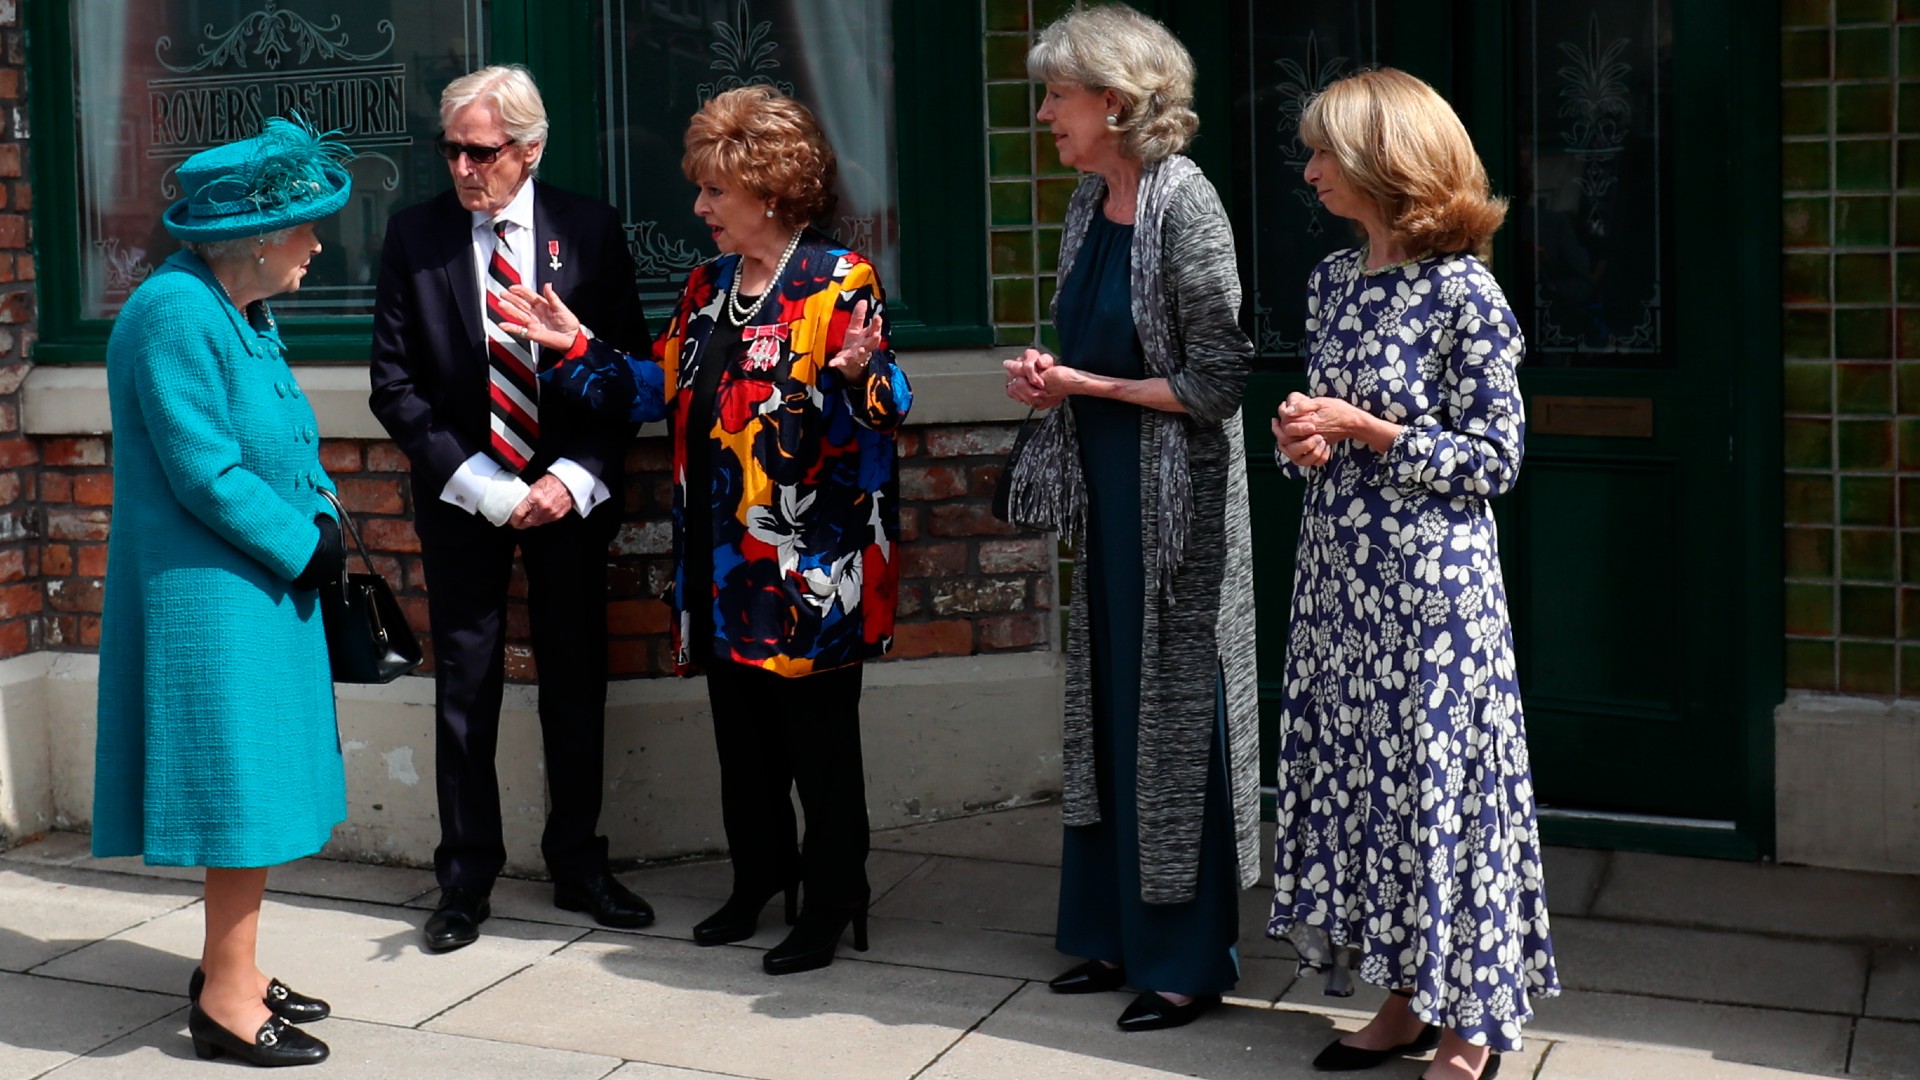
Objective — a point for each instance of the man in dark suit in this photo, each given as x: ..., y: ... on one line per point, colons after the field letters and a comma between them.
x: 494, y: 469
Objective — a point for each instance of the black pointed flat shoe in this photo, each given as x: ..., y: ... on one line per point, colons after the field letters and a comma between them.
x: 1339, y: 1057
x: 1151, y: 1012
x: 1092, y: 977
x: 282, y: 1000
x: 276, y: 1043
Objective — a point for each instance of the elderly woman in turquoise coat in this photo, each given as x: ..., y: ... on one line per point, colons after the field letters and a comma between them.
x: 217, y: 742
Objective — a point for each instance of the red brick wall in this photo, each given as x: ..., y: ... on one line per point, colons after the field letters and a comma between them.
x: 22, y: 599
x: 970, y: 583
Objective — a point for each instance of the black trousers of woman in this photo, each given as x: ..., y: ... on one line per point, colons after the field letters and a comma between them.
x: 776, y: 734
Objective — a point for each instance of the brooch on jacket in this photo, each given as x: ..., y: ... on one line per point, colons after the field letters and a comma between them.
x: 763, y: 350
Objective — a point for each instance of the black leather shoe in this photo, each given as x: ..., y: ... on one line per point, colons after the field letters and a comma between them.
x: 609, y: 902
x: 1092, y: 977
x: 455, y: 922
x: 283, y: 1001
x: 276, y: 1043
x: 813, y: 940
x: 739, y: 917
x: 1151, y: 1012
x: 1339, y: 1057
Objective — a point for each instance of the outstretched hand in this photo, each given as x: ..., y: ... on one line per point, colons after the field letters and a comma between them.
x: 539, y: 317
x: 856, y: 348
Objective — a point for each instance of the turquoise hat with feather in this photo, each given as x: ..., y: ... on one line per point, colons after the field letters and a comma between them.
x: 287, y: 175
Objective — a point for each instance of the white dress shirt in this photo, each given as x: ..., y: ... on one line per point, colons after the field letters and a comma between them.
x: 469, y: 484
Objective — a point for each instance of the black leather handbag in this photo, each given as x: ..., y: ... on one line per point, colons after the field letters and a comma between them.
x: 368, y: 639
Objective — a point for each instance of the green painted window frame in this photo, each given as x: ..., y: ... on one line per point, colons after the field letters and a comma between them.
x: 942, y: 294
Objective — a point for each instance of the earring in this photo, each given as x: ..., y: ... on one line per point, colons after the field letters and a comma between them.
x: 1112, y: 119
x: 769, y: 213
x: 261, y: 261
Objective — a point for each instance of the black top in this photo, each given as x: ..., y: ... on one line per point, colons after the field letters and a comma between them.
x: 724, y: 350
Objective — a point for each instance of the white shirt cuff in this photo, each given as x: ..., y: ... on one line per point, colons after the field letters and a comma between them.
x: 588, y: 490
x: 470, y: 482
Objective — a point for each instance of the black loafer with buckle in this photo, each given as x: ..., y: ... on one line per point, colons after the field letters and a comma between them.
x: 276, y: 1043
x: 282, y: 1000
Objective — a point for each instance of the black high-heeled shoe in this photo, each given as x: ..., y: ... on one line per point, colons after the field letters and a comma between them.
x: 739, y: 918
x: 282, y: 1000
x: 276, y: 1043
x: 814, y: 939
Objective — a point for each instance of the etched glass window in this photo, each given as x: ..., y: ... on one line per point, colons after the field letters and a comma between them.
x: 662, y: 59
x: 159, y: 80
x: 1290, y: 53
x: 1591, y: 208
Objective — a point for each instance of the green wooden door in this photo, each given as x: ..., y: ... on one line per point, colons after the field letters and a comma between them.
x: 1640, y: 547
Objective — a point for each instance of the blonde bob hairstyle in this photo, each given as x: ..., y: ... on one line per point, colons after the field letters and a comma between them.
x: 510, y: 90
x: 763, y: 140
x: 1114, y: 47
x: 1400, y: 145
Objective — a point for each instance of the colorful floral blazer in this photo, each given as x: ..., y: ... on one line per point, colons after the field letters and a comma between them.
x: 804, y: 494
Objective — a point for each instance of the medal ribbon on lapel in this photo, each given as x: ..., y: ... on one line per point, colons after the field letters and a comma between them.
x: 763, y: 349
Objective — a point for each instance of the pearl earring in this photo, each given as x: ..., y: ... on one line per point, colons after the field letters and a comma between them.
x: 261, y: 261
x: 1112, y: 119
x: 769, y: 213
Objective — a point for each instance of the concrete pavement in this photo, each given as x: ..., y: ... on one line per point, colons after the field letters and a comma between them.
x: 1675, y: 968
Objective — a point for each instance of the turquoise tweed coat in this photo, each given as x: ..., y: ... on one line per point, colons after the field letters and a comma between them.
x: 217, y: 744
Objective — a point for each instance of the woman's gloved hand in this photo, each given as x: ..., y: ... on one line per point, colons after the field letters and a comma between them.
x: 329, y: 561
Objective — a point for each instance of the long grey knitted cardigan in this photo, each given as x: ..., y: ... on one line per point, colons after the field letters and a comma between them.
x: 1195, y: 533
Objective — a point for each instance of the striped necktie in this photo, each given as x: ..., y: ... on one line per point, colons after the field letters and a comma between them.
x: 515, y: 394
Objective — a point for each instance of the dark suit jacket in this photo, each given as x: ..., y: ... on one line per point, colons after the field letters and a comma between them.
x: 429, y: 367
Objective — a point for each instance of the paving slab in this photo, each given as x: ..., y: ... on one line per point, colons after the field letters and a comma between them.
x: 1707, y: 965
x: 1893, y: 988
x: 305, y: 877
x: 364, y: 959
x: 1586, y: 1061
x: 969, y: 892
x: 1886, y: 1050
x: 1061, y: 1037
x: 45, y: 1022
x: 1776, y: 1039
x: 1573, y: 876
x: 640, y: 1070
x: 360, y: 1051
x: 671, y: 1003
x: 1761, y: 897
x: 713, y: 879
x: 53, y: 910
x: 1029, y: 834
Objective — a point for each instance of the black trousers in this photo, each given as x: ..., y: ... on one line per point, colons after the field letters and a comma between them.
x: 469, y: 568
x: 777, y: 734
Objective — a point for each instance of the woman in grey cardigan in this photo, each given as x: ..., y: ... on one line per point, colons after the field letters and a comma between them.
x: 1144, y: 472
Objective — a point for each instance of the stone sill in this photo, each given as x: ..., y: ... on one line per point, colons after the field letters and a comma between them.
x: 950, y: 386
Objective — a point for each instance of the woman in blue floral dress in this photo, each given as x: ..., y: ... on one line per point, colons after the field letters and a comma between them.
x: 1408, y: 848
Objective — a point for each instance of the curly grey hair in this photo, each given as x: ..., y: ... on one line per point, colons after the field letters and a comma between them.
x: 220, y: 251
x: 1113, y: 47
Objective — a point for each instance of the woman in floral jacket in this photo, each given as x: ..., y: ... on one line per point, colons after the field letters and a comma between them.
x: 783, y: 398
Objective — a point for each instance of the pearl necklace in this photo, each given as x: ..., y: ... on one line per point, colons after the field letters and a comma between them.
x: 743, y: 315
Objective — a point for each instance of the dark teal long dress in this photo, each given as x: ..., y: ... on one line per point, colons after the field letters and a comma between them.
x: 1179, y: 948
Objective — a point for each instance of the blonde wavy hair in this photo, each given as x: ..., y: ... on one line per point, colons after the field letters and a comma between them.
x: 1113, y: 47
x: 1401, y: 146
x: 762, y: 139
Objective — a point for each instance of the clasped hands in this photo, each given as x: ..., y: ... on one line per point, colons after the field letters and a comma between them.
x: 544, y: 319
x: 1306, y: 428
x: 1035, y: 378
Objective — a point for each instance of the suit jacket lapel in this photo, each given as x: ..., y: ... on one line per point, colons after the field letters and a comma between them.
x: 455, y: 232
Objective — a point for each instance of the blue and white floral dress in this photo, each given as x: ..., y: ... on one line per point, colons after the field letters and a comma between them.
x: 1408, y: 848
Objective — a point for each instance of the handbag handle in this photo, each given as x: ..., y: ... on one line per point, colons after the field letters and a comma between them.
x: 352, y: 529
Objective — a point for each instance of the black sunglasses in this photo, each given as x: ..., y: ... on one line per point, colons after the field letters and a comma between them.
x: 476, y: 152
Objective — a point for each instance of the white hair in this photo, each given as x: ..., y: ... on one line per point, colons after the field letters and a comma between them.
x: 213, y: 251
x: 1113, y: 47
x: 510, y: 89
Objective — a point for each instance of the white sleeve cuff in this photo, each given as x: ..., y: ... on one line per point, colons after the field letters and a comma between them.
x: 469, y: 482
x: 588, y: 490
x: 504, y: 495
